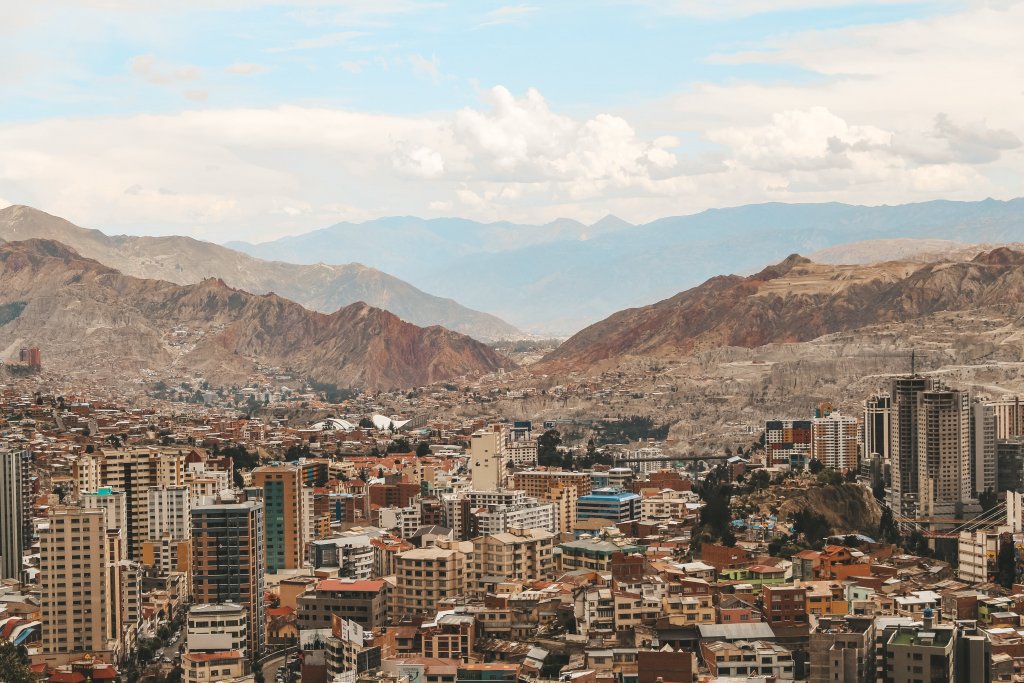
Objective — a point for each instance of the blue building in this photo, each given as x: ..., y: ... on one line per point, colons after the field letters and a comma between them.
x: 608, y: 503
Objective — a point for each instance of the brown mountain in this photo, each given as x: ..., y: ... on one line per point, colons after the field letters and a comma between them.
x: 322, y: 287
x: 794, y: 301
x: 92, y: 320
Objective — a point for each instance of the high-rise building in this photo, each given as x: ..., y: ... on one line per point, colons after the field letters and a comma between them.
x: 487, y: 458
x: 834, y: 441
x: 74, y: 585
x: 904, y: 396
x: 283, y: 514
x: 133, y: 471
x: 943, y: 451
x: 611, y: 504
x: 168, y: 544
x: 1009, y: 417
x: 788, y: 443
x: 228, y: 563
x: 878, y: 426
x: 983, y: 448
x: 1010, y: 465
x: 12, y: 514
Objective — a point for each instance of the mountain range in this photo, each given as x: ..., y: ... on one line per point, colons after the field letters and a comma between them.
x: 795, y: 300
x: 93, y: 321
x: 324, y: 288
x: 559, y: 278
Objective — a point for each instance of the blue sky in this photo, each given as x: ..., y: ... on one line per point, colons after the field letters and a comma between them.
x: 229, y: 119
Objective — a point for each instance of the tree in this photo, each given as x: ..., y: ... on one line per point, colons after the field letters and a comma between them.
x: 988, y: 499
x: 887, y: 529
x: 1006, y: 563
x: 547, y: 449
x: 422, y: 449
x: 815, y: 466
x: 14, y: 664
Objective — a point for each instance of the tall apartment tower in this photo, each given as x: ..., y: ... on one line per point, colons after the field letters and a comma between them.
x: 943, y: 450
x: 283, y: 504
x: 983, y: 448
x: 228, y: 562
x: 133, y: 471
x: 834, y: 441
x: 168, y: 543
x: 12, y: 514
x: 878, y: 426
x: 904, y: 395
x: 487, y: 459
x: 74, y: 586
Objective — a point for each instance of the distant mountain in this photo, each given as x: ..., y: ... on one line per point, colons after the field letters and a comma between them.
x: 559, y: 285
x: 94, y: 322
x: 794, y: 301
x: 325, y: 288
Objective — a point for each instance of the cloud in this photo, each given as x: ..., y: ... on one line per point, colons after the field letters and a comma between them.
x: 318, y: 42
x: 246, y: 69
x: 429, y: 67
x: 508, y: 14
x: 354, y: 66
x: 734, y: 9
x: 419, y: 161
x: 152, y: 70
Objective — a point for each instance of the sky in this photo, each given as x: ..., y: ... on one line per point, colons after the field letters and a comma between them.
x: 254, y: 119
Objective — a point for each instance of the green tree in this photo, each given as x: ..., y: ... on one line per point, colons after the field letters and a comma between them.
x: 547, y: 449
x: 1006, y: 562
x: 887, y: 530
x: 14, y: 664
x: 815, y: 466
x: 988, y: 499
x: 422, y: 449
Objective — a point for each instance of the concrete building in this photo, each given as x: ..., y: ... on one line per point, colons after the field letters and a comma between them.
x: 363, y: 602
x: 228, y: 562
x: 12, y: 514
x: 878, y: 426
x: 217, y: 627
x: 921, y: 652
x: 904, y: 394
x: 1010, y: 465
x: 75, y: 588
x: 426, y: 576
x: 516, y: 555
x: 283, y: 514
x: 784, y: 606
x: 133, y: 471
x: 842, y: 649
x: 213, y: 667
x: 788, y: 443
x: 748, y: 659
x: 613, y: 504
x: 983, y: 448
x: 536, y: 483
x: 487, y: 458
x: 834, y: 441
x: 1009, y: 417
x: 943, y: 451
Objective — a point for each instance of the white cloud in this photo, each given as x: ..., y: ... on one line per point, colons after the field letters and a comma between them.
x: 732, y: 9
x: 318, y: 42
x: 429, y: 67
x: 508, y: 14
x: 354, y: 66
x: 246, y: 69
x: 152, y: 70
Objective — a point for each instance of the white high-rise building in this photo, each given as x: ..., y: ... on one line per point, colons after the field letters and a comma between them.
x: 834, y: 441
x: 12, y: 513
x: 487, y: 459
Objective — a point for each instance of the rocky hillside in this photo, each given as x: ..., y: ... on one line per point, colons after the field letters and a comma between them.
x: 847, y: 508
x: 325, y: 288
x: 92, y: 320
x: 793, y: 301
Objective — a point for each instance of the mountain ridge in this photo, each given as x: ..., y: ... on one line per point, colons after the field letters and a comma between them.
x: 90, y: 318
x: 185, y: 260
x: 796, y: 300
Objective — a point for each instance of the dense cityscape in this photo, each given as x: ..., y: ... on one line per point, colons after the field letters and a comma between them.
x: 266, y: 533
